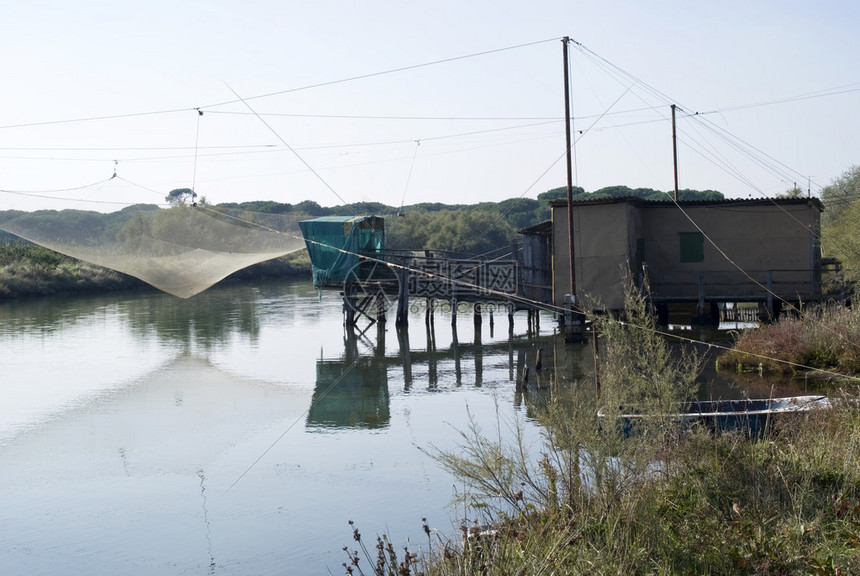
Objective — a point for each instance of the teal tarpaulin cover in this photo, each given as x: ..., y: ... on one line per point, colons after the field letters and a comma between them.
x: 334, y: 243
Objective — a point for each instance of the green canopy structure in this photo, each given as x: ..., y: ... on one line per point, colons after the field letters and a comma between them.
x: 335, y: 242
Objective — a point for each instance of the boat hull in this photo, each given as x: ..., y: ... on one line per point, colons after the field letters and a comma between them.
x: 750, y: 416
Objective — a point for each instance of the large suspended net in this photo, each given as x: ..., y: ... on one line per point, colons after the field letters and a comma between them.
x: 181, y: 250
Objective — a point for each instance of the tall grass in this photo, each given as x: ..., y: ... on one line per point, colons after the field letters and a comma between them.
x: 824, y: 337
x: 594, y: 499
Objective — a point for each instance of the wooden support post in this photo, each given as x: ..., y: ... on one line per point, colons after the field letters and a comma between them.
x: 522, y: 369
x: 476, y: 311
x: 403, y: 298
x: 479, y: 360
x: 403, y: 341
x: 455, y: 347
x: 454, y: 312
x: 380, y: 307
x: 379, y: 351
x: 349, y: 303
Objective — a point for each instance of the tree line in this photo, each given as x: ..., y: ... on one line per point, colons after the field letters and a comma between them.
x: 470, y: 228
x: 485, y: 226
x: 840, y: 222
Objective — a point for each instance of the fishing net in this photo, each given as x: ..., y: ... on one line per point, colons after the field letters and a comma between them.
x: 181, y: 250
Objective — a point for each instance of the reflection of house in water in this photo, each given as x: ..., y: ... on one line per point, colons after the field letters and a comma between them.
x: 352, y: 392
x: 350, y: 395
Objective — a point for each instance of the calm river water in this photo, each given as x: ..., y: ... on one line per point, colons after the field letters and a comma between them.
x: 239, y: 431
x: 236, y: 432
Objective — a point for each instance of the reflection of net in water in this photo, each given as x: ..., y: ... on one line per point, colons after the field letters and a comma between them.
x: 181, y: 250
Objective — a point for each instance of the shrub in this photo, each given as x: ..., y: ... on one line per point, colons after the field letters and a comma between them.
x: 822, y: 337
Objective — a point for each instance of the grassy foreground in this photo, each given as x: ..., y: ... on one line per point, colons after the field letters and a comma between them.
x: 594, y: 500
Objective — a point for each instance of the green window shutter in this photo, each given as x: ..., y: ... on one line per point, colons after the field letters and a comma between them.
x: 692, y: 247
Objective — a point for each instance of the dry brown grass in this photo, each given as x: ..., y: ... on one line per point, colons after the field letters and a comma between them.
x: 825, y: 337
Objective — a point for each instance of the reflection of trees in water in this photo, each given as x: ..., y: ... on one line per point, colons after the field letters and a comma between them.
x: 207, y: 319
x: 210, y: 318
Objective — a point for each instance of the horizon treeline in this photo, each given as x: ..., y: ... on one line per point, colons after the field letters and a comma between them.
x: 470, y: 228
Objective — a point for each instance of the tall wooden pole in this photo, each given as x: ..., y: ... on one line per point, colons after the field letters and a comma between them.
x: 565, y: 41
x: 675, y: 152
x: 574, y: 318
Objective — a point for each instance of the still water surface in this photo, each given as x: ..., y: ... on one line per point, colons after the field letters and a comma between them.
x: 236, y: 432
x: 239, y: 431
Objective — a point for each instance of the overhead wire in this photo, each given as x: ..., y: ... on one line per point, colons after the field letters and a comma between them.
x: 272, y: 94
x: 381, y: 73
x: 343, y: 80
x: 409, y: 177
x: 521, y: 299
x: 556, y: 161
x: 722, y: 252
x: 94, y: 118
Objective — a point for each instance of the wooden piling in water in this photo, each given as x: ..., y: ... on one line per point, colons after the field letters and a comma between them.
x: 349, y: 304
x: 380, y: 308
x: 403, y: 298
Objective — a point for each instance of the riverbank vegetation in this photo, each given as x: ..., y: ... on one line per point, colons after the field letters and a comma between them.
x: 595, y: 498
x: 466, y: 228
x: 840, y: 222
x: 29, y: 270
x: 825, y: 337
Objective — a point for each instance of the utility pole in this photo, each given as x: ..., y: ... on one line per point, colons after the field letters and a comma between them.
x: 574, y: 324
x: 565, y: 41
x: 675, y: 152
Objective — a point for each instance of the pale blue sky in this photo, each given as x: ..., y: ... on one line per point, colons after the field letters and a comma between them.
x: 489, y: 126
